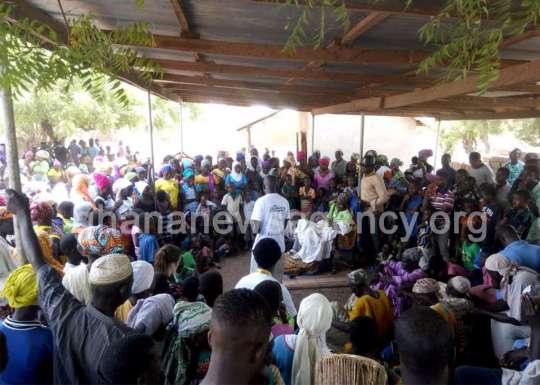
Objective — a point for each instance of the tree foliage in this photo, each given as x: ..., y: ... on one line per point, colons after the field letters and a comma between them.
x: 55, y: 113
x: 89, y: 54
x: 466, y: 35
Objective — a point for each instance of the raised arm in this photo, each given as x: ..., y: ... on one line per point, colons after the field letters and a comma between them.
x: 19, y: 206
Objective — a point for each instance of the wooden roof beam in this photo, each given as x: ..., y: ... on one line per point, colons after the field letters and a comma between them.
x: 393, y: 7
x: 181, y: 17
x: 336, y: 54
x: 241, y: 70
x: 368, y: 22
x: 522, y: 73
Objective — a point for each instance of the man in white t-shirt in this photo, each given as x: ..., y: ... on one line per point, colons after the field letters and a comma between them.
x: 269, y: 219
x: 267, y: 253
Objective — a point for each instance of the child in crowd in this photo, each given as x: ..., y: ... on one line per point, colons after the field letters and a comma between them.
x: 307, y: 197
x: 321, y: 201
x: 69, y: 251
x: 271, y: 291
x: 232, y: 201
x: 148, y: 242
x: 249, y: 236
x: 205, y: 211
x: 65, y: 213
x: 492, y: 213
x: 290, y: 192
x: 520, y: 215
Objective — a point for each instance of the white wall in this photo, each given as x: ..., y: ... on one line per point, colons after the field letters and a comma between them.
x: 392, y: 136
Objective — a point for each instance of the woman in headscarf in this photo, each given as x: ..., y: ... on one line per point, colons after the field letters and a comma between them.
x: 397, y: 274
x: 104, y: 198
x: 186, y: 351
x: 80, y: 190
x: 55, y: 173
x: 42, y: 215
x: 324, y: 175
x: 145, y: 198
x: 509, y: 280
x: 40, y: 167
x: 93, y: 243
x: 366, y: 302
x: 237, y: 178
x: 29, y: 343
x: 169, y: 184
x: 189, y: 193
x: 426, y: 292
x: 206, y: 182
x: 297, y: 355
x: 122, y: 190
x: 81, y: 216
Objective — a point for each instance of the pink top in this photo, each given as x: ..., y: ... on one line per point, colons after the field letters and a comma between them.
x: 323, y: 181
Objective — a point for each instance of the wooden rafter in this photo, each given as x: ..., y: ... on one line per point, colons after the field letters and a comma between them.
x: 234, y: 69
x: 522, y: 73
x: 337, y: 54
x: 368, y: 22
x: 519, y: 38
x: 180, y: 16
x: 397, y: 7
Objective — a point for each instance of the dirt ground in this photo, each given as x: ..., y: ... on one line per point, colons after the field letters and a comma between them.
x: 234, y: 268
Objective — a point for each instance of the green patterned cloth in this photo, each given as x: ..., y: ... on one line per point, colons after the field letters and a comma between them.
x: 189, y: 320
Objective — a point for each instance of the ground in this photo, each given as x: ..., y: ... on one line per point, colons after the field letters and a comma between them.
x: 334, y: 287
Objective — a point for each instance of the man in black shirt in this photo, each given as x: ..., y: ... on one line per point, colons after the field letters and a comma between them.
x: 81, y: 333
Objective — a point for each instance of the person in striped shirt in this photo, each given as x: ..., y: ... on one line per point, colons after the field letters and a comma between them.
x: 440, y: 197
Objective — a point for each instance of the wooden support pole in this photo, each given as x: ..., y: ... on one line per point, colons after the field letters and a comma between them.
x: 362, y: 127
x: 8, y: 119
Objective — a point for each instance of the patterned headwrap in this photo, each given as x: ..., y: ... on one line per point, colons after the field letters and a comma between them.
x: 100, y: 240
x: 190, y: 319
x: 21, y: 287
x: 130, y: 176
x: 396, y: 162
x: 358, y: 277
x: 240, y: 157
x: 426, y: 286
x: 425, y: 153
x: 101, y: 181
x: 165, y: 170
x: 324, y: 161
x: 41, y: 211
x: 460, y: 284
x: 382, y: 160
x: 188, y: 173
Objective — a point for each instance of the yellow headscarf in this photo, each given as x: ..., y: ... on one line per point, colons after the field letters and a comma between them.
x: 21, y: 287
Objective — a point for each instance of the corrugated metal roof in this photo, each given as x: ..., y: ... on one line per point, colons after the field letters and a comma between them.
x: 381, y: 59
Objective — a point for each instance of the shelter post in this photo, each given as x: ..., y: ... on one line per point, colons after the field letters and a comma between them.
x: 151, y: 127
x: 436, y: 152
x: 362, y: 125
x: 312, y: 133
x: 181, y: 104
x: 12, y: 158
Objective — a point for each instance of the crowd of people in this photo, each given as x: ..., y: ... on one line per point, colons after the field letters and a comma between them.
x: 123, y: 282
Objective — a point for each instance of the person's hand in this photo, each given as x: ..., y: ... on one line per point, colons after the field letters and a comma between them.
x: 530, y: 304
x: 17, y: 203
x: 514, y: 358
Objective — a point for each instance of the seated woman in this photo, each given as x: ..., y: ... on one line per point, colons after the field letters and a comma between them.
x: 341, y: 218
x: 186, y: 353
x: 395, y: 275
x: 425, y: 292
x: 296, y: 355
x: 365, y: 302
